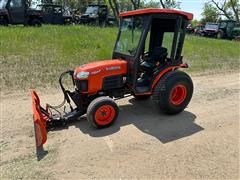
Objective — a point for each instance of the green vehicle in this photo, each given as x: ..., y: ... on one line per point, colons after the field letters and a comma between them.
x: 228, y: 29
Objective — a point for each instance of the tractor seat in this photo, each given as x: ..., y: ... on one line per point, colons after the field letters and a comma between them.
x: 159, y: 54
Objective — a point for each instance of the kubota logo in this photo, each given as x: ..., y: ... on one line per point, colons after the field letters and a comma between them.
x: 113, y: 68
x: 95, y: 72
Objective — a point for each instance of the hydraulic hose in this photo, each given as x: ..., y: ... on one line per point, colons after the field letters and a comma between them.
x: 66, y: 97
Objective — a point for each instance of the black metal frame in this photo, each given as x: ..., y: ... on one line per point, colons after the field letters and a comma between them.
x: 55, y: 18
x: 134, y: 61
x: 61, y: 119
x: 23, y: 14
x: 85, y: 19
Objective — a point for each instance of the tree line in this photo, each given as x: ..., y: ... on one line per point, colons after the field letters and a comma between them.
x: 213, y: 10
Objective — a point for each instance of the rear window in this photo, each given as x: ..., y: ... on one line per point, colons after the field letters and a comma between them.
x: 211, y: 26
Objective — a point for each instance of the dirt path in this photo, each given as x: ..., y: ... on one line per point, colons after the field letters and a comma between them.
x: 202, y: 142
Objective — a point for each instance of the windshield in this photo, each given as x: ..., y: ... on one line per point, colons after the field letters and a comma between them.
x: 92, y: 10
x: 3, y: 4
x: 130, y: 33
x: 66, y: 12
x: 211, y: 26
x: 35, y: 4
x: 223, y: 25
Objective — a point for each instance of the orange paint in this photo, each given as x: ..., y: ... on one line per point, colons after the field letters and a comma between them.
x: 157, y: 10
x: 105, y: 114
x: 168, y: 69
x: 39, y: 120
x: 99, y: 70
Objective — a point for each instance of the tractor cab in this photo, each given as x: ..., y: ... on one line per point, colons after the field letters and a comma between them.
x: 150, y: 40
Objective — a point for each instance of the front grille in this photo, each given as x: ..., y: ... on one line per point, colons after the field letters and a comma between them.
x: 112, y: 82
x: 82, y: 85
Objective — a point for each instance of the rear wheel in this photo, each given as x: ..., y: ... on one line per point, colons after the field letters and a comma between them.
x: 35, y: 22
x: 173, y: 92
x: 102, y: 112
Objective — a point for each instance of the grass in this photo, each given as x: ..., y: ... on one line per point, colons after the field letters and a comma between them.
x: 27, y: 167
x: 205, y: 54
x: 34, y: 57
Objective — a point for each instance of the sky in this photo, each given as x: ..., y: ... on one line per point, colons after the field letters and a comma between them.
x: 193, y: 6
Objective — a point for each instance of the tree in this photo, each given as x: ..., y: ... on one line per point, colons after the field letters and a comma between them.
x: 194, y: 22
x: 235, y: 5
x: 228, y: 8
x: 115, y: 8
x: 210, y: 13
x: 151, y: 4
x: 124, y: 5
x: 136, y: 4
x: 170, y: 4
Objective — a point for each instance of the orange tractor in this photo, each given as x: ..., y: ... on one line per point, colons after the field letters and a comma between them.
x: 145, y: 63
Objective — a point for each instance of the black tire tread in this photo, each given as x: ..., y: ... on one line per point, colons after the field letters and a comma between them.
x: 93, y: 105
x: 161, y: 86
x: 35, y: 22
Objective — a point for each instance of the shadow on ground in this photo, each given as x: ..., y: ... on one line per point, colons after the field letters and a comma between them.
x: 147, y: 119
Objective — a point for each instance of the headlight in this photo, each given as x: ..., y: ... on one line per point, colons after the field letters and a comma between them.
x: 93, y: 15
x: 82, y: 75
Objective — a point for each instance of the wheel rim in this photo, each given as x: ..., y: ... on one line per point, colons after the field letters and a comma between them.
x: 178, y: 94
x: 105, y: 114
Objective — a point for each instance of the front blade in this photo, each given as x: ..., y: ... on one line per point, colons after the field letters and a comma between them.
x: 39, y: 121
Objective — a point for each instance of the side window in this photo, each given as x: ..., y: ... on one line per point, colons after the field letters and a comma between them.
x: 147, y: 42
x: 102, y: 11
x: 16, y: 3
x: 230, y: 25
x: 168, y: 41
x: 57, y: 10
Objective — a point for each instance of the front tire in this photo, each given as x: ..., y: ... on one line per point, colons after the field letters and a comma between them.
x: 3, y: 22
x: 102, y: 112
x: 173, y: 92
x: 220, y: 34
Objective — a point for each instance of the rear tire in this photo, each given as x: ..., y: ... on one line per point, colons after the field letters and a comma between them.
x: 102, y: 112
x: 173, y: 92
x: 35, y: 22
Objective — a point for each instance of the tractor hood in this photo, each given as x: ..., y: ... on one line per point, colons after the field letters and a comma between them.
x: 101, y: 67
x: 94, y: 74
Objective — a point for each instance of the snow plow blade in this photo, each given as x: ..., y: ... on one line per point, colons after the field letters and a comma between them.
x: 40, y: 118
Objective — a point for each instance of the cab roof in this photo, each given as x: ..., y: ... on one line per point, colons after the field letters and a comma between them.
x: 157, y: 11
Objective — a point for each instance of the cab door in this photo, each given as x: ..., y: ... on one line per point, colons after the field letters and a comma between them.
x: 16, y: 10
x: 58, y: 15
x: 230, y: 27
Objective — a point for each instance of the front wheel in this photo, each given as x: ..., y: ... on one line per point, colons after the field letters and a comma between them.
x: 220, y: 34
x: 3, y: 21
x: 102, y: 112
x: 173, y: 92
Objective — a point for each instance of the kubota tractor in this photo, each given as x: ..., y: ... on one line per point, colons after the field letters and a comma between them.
x: 145, y: 63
